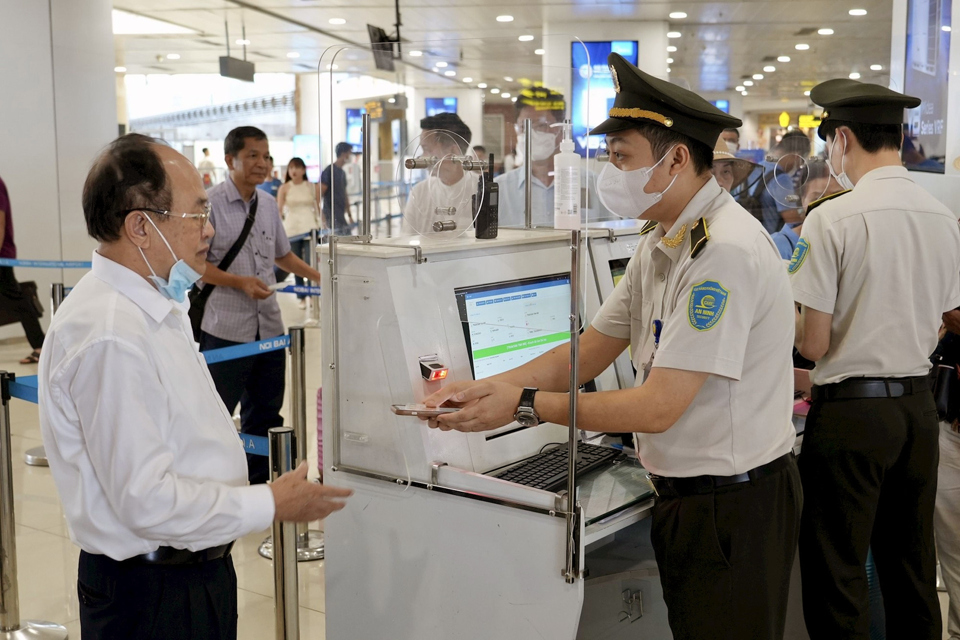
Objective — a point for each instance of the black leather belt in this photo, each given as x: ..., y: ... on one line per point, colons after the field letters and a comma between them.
x: 857, y: 388
x: 169, y: 555
x: 679, y: 487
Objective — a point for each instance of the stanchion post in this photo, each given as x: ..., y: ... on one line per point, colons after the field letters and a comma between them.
x: 527, y: 174
x: 11, y: 627
x: 286, y: 593
x: 56, y: 297
x: 313, y: 302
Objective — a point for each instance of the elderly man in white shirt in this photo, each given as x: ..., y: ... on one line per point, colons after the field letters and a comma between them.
x: 150, y: 471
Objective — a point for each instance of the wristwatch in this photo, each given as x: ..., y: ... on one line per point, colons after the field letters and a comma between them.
x: 526, y: 416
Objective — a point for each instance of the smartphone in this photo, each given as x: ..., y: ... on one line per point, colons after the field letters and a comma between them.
x: 421, y: 410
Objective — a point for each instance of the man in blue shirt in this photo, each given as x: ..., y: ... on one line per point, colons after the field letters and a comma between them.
x: 333, y: 189
x: 272, y: 184
x: 819, y: 185
x: 778, y: 195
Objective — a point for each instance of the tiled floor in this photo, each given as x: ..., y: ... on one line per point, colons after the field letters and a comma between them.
x: 47, y: 559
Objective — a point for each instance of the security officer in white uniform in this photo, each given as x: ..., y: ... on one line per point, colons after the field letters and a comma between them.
x: 873, y: 271
x: 705, y: 304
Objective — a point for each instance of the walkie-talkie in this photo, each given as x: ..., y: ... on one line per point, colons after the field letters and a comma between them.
x: 486, y: 202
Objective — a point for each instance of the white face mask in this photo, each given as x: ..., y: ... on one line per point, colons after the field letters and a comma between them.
x: 622, y: 192
x: 843, y: 179
x: 181, y: 277
x: 542, y: 145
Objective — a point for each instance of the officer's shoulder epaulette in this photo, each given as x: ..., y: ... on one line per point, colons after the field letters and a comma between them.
x: 647, y: 228
x: 816, y: 203
x: 699, y: 236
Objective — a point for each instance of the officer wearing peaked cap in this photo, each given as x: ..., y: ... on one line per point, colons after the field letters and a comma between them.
x: 703, y: 305
x: 873, y: 272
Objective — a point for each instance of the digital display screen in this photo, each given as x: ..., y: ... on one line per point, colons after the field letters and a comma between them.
x: 598, y: 100
x: 507, y: 324
x: 618, y: 268
x: 441, y: 105
x: 926, y: 77
x: 355, y: 129
x: 723, y: 105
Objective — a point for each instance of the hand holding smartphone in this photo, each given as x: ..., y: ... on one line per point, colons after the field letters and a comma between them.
x: 421, y: 410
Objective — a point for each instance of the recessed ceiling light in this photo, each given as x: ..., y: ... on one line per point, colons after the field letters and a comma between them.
x: 854, y: 76
x: 857, y: 12
x: 743, y: 93
x: 173, y: 56
x: 525, y: 38
x: 741, y: 88
x: 769, y: 68
x: 802, y: 47
x: 674, y: 34
x: 748, y: 83
x: 450, y: 73
x: 482, y: 85
x: 504, y: 18
x: 494, y: 90
x: 669, y: 60
x: 513, y: 99
x: 507, y: 79
x: 134, y: 24
x: 758, y: 76
x: 391, y: 100
x: 440, y: 64
x: 806, y: 93
x: 120, y: 69
x: 946, y: 28
x: 337, y: 21
x: 671, y: 49
x: 293, y: 54
x: 783, y: 59
x: 876, y: 67
x: 825, y: 32
x: 678, y: 15
x: 669, y: 69
x: 539, y: 52
x: 415, y: 54
x: 243, y: 42
x: 468, y: 79
x: 504, y: 95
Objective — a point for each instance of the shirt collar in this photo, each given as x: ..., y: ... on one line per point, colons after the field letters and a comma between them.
x: 699, y: 204
x: 133, y: 286
x: 536, y: 181
x: 233, y: 194
x: 885, y: 173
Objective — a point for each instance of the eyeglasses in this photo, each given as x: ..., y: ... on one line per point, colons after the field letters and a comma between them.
x: 201, y: 217
x: 542, y: 125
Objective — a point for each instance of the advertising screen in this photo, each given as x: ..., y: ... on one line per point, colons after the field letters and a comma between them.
x: 926, y: 76
x: 355, y: 129
x: 599, y: 99
x: 441, y: 105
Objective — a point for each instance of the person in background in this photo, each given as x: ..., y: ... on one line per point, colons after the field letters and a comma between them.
x: 732, y: 138
x: 299, y: 202
x: 544, y: 108
x: 480, y: 151
x: 143, y: 453
x: 946, y: 516
x: 333, y: 190
x: 243, y: 308
x: 915, y: 160
x: 443, y: 136
x: 729, y: 170
x: 777, y: 190
x: 208, y: 170
x: 11, y: 297
x: 819, y: 187
x: 272, y: 183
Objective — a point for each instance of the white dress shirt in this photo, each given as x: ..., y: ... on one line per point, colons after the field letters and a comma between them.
x: 142, y: 450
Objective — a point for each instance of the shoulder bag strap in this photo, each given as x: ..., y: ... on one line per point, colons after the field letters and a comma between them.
x: 231, y: 255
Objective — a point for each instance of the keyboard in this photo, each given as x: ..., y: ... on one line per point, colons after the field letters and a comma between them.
x: 548, y: 470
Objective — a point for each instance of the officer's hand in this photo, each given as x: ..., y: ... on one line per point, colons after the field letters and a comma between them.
x: 254, y: 288
x: 951, y: 320
x: 484, y: 405
x: 296, y: 499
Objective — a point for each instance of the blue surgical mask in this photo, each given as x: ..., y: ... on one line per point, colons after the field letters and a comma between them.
x: 181, y: 277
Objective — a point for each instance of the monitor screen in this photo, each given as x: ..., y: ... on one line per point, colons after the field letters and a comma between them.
x: 601, y: 93
x: 507, y: 324
x: 927, y: 75
x: 618, y: 268
x: 441, y: 105
x: 355, y: 129
x: 723, y: 105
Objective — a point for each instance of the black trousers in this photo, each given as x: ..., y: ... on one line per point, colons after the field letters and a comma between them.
x: 725, y: 557
x: 123, y: 601
x: 13, y: 300
x: 869, y: 471
x: 257, y: 383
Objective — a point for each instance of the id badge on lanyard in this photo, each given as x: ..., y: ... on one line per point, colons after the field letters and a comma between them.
x: 657, y: 328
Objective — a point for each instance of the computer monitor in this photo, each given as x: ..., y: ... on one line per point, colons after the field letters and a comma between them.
x: 507, y: 324
x: 618, y: 269
x: 440, y: 105
x: 355, y: 129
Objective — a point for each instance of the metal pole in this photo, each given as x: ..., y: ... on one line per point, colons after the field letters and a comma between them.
x: 527, y: 174
x: 37, y: 456
x: 571, y: 571
x: 367, y: 195
x: 313, y: 302
x: 286, y: 593
x: 11, y: 627
x: 309, y: 542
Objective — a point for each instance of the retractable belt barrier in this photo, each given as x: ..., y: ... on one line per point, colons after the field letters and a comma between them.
x: 25, y: 388
x: 45, y: 264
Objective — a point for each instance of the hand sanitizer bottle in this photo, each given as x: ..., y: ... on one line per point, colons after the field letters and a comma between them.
x: 566, y: 192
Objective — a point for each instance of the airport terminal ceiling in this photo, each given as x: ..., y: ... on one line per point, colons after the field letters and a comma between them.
x: 719, y: 45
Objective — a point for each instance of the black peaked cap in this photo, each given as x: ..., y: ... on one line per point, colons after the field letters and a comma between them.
x: 852, y: 101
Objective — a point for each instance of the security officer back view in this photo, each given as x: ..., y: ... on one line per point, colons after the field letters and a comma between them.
x: 874, y: 270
